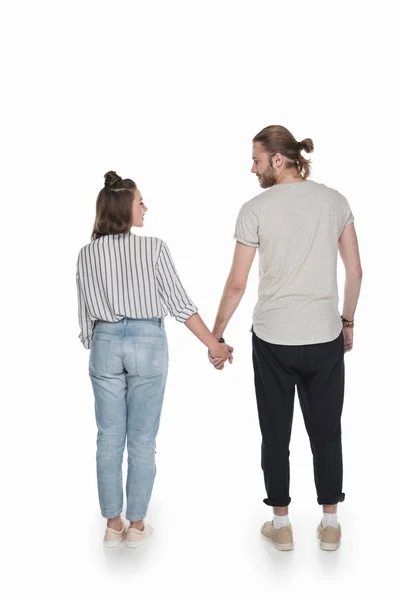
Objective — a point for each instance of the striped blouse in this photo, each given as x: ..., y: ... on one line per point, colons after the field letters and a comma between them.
x: 128, y: 276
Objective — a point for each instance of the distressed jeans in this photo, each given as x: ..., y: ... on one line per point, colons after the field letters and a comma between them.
x: 128, y: 368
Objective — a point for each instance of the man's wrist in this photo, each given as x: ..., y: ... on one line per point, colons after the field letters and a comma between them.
x: 347, y: 322
x: 218, y: 334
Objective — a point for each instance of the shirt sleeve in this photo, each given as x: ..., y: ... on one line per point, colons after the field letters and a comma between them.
x: 170, y: 288
x: 348, y: 217
x: 85, y: 322
x: 246, y: 230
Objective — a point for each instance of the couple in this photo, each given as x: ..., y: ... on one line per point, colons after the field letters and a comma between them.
x: 127, y: 284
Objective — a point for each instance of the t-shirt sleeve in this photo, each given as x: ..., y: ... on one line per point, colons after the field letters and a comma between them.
x: 348, y: 217
x: 246, y: 230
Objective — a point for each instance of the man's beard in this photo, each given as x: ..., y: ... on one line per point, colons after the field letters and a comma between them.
x: 267, y: 179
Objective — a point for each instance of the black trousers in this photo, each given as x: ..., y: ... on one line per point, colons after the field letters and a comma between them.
x: 318, y: 372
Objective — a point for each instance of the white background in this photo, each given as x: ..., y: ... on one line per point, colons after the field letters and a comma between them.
x: 170, y: 94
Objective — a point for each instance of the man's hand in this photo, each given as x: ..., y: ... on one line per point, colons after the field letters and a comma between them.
x: 217, y: 359
x: 348, y: 338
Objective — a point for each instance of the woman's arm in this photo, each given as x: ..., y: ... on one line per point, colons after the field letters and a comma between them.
x: 85, y: 322
x: 196, y: 325
x: 181, y: 307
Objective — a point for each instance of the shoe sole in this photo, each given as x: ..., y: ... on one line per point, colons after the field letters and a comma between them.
x: 112, y: 544
x: 329, y: 547
x: 280, y: 547
x: 135, y: 544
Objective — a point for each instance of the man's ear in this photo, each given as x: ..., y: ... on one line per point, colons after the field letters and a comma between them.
x: 278, y: 160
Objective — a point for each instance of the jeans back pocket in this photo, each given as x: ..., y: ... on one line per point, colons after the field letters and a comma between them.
x: 152, y: 360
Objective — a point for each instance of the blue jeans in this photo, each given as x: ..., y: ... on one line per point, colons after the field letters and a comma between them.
x: 128, y: 367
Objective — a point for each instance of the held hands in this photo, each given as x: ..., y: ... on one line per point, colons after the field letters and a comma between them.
x: 219, y: 353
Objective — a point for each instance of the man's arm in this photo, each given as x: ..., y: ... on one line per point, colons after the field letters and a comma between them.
x: 348, y: 249
x: 235, y: 286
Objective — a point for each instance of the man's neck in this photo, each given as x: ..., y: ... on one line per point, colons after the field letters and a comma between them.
x: 289, y: 178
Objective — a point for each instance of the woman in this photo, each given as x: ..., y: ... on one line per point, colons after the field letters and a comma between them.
x: 126, y: 285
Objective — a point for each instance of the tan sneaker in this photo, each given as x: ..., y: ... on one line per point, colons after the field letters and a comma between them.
x: 113, y: 538
x: 329, y: 537
x: 281, y: 538
x: 136, y: 538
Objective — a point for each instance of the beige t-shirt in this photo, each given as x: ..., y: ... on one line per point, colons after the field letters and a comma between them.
x: 296, y: 227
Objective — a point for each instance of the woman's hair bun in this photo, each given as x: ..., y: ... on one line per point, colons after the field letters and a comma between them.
x: 111, y: 179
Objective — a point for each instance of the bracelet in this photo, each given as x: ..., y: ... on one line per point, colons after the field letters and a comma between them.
x: 347, y: 323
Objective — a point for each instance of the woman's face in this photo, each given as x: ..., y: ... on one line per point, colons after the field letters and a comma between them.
x: 138, y: 209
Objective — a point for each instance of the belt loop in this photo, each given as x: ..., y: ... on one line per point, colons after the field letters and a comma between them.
x: 125, y: 321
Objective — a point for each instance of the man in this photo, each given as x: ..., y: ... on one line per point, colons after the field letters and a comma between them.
x: 299, y: 336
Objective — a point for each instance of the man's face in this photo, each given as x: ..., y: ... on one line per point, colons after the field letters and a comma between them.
x: 263, y: 167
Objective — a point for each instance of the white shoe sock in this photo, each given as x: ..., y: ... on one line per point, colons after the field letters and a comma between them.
x: 281, y: 521
x: 330, y: 520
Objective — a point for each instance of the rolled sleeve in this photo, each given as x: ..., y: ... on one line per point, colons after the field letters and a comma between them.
x: 246, y: 231
x: 85, y: 322
x: 346, y: 215
x: 172, y: 293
